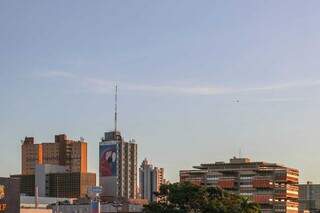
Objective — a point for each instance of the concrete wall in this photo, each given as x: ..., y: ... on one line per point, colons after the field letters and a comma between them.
x: 35, y: 210
x: 105, y: 208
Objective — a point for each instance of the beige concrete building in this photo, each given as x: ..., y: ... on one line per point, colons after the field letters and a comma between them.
x: 272, y: 186
x: 62, y: 151
x: 150, y: 178
x: 71, y: 155
x: 31, y: 155
x: 56, y: 181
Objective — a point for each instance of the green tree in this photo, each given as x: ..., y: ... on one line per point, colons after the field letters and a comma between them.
x: 247, y: 207
x: 189, y: 198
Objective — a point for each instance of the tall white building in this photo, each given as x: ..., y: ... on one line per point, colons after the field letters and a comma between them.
x: 118, y: 167
x: 150, y: 178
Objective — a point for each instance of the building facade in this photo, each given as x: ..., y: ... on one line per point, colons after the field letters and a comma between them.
x: 197, y: 177
x: 309, y: 197
x: 118, y: 167
x: 62, y: 151
x: 56, y: 181
x: 150, y: 178
x: 272, y: 186
x: 69, y: 185
x: 41, y: 177
x: 55, y: 169
x: 31, y: 155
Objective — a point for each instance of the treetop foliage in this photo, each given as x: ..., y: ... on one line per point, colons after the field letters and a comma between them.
x: 186, y: 197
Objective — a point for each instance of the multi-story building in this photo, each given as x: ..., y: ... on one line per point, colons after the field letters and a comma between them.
x: 272, y: 186
x: 57, y: 169
x: 118, y: 167
x: 63, y: 151
x: 197, y: 177
x: 31, y: 155
x: 42, y: 177
x: 150, y: 178
x: 309, y: 197
x: 56, y: 181
x: 69, y: 185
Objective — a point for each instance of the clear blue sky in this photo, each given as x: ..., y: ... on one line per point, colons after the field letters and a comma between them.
x: 181, y: 66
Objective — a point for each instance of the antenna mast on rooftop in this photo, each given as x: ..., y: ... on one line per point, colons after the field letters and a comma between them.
x: 116, y: 108
x: 240, y: 152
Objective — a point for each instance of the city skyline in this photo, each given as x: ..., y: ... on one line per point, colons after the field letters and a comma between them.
x: 197, y: 82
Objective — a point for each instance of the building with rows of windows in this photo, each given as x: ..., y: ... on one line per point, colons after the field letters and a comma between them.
x: 272, y: 186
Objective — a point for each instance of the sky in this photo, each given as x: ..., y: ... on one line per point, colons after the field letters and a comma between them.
x: 199, y: 81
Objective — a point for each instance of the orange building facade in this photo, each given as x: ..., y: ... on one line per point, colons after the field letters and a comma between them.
x: 62, y: 151
x: 272, y: 186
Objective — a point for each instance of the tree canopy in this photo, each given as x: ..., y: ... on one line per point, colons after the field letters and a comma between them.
x: 186, y: 197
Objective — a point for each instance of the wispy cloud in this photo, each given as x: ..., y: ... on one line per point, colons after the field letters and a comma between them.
x: 96, y: 85
x: 105, y: 86
x: 102, y: 86
x: 191, y: 90
x: 289, y: 99
x: 288, y: 85
x: 56, y: 74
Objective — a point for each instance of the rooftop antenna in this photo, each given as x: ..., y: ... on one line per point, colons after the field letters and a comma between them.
x: 240, y: 155
x: 115, y: 108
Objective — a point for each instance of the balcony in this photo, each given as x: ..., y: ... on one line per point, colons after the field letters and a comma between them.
x: 262, y: 183
x: 286, y: 206
x: 227, y: 183
x: 285, y: 193
x: 286, y: 178
x: 262, y: 199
